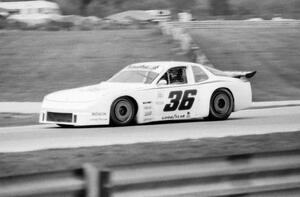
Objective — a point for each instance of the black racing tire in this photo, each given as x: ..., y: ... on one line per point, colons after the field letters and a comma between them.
x: 122, y: 112
x: 65, y: 125
x: 221, y: 105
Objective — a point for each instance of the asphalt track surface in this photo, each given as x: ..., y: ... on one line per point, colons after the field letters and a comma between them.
x: 247, y: 122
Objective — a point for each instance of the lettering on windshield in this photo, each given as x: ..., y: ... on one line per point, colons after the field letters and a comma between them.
x: 143, y: 66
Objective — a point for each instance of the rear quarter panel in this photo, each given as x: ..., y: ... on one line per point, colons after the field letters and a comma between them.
x: 242, y: 94
x: 241, y: 91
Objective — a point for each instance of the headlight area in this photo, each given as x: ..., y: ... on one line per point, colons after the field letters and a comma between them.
x: 74, y: 118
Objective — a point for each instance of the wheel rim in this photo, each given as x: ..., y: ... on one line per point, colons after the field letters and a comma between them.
x: 123, y: 111
x: 221, y: 103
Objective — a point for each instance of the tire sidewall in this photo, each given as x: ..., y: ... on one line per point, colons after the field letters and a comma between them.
x: 213, y: 114
x: 113, y: 118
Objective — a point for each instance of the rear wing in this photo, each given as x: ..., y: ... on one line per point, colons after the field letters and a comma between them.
x: 239, y: 74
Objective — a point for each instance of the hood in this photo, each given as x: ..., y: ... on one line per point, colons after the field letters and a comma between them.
x: 92, y: 93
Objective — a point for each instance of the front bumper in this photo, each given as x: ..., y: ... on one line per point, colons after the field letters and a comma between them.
x: 76, y: 114
x: 73, y: 118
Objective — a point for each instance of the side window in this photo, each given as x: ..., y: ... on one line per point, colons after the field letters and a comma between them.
x: 165, y: 77
x: 199, y: 74
x: 177, y: 75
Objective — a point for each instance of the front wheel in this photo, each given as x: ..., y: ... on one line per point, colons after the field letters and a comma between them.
x: 221, y: 105
x: 122, y: 112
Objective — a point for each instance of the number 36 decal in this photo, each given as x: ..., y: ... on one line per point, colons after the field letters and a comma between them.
x: 184, y: 104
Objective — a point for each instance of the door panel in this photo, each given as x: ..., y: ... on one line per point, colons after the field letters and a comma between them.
x: 176, y: 102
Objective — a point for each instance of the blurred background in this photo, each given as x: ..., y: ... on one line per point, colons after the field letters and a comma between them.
x: 200, y: 9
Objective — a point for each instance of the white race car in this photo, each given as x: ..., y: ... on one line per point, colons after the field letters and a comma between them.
x: 151, y: 91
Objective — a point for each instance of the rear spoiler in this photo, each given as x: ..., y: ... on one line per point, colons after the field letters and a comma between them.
x: 239, y: 74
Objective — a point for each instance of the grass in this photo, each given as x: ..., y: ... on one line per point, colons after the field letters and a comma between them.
x: 274, y: 53
x: 34, y: 63
x: 49, y: 160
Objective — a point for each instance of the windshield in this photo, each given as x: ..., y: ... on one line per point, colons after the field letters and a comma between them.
x: 134, y: 76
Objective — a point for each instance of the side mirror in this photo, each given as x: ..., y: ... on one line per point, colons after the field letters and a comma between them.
x: 162, y: 82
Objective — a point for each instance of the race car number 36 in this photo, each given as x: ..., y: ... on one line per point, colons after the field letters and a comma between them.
x: 184, y: 102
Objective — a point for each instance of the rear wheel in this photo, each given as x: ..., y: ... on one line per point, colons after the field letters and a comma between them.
x: 122, y: 111
x: 221, y: 105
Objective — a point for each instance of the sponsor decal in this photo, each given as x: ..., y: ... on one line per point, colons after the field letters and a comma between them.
x: 160, y: 95
x: 159, y: 102
x: 188, y: 115
x: 173, y: 117
x: 98, y: 119
x: 147, y: 119
x: 147, y: 102
x: 98, y: 114
x: 148, y: 113
x: 147, y: 107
